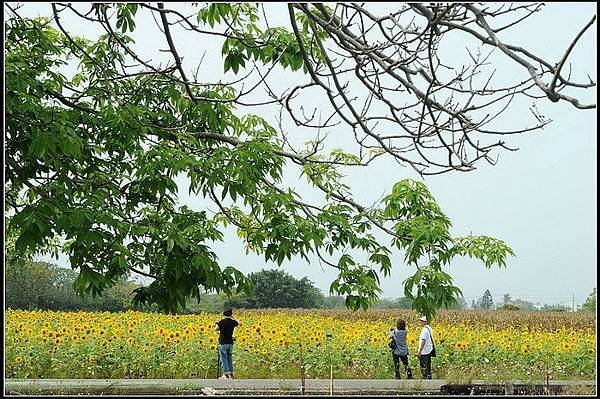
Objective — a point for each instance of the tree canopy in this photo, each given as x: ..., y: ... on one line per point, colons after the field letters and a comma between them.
x: 486, y: 301
x: 91, y: 156
x: 278, y: 289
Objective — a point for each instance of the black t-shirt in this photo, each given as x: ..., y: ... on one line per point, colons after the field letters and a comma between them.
x: 226, y: 327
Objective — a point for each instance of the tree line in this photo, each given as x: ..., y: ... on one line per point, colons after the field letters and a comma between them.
x: 45, y: 286
x: 486, y: 301
x: 42, y: 285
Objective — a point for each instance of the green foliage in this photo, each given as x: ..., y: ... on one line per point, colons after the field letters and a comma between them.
x: 460, y: 304
x: 487, y: 249
x: 277, y: 289
x: 44, y: 286
x: 274, y: 45
x: 422, y: 231
x: 590, y: 303
x: 96, y: 172
x: 125, y: 14
x: 398, y: 303
x: 111, y: 198
x: 554, y: 308
x: 334, y: 302
x: 209, y: 302
x: 26, y: 286
x: 249, y: 42
x: 508, y: 306
x: 486, y: 301
x: 523, y: 305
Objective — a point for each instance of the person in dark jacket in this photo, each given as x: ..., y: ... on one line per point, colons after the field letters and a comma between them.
x: 400, y: 353
x: 225, y: 328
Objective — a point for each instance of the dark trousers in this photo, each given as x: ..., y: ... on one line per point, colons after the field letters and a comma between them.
x: 404, y: 359
x: 425, y: 363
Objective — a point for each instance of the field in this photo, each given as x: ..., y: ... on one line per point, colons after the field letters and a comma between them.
x: 488, y: 345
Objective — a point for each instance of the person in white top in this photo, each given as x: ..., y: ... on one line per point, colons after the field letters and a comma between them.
x: 425, y: 348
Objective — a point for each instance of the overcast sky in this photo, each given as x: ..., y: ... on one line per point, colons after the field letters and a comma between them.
x: 541, y: 199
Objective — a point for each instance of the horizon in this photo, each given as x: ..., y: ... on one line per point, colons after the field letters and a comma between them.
x: 574, y: 300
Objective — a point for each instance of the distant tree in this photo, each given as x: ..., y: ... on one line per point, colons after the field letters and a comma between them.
x: 403, y: 303
x: 26, y: 286
x: 277, y: 289
x: 236, y: 300
x: 384, y: 303
x: 209, y: 302
x: 42, y: 285
x: 506, y: 299
x: 117, y: 298
x: 508, y: 306
x: 63, y: 296
x: 486, y: 301
x: 397, y: 303
x: 460, y: 304
x: 554, y: 308
x: 473, y: 304
x: 334, y: 302
x: 590, y: 303
x: 523, y: 305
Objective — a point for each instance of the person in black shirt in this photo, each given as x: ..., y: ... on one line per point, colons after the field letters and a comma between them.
x: 225, y: 328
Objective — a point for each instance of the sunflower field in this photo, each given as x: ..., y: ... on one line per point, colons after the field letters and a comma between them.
x: 488, y: 345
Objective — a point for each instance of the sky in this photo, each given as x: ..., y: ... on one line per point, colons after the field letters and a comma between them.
x: 541, y: 200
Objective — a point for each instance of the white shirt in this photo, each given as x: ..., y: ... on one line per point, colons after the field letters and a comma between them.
x: 427, y: 335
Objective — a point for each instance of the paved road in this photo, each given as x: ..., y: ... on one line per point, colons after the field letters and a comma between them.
x: 263, y: 386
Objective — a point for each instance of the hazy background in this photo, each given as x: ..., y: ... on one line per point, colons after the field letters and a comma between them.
x: 540, y: 199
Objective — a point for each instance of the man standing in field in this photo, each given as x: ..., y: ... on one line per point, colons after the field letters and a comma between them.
x: 225, y: 328
x: 425, y: 348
